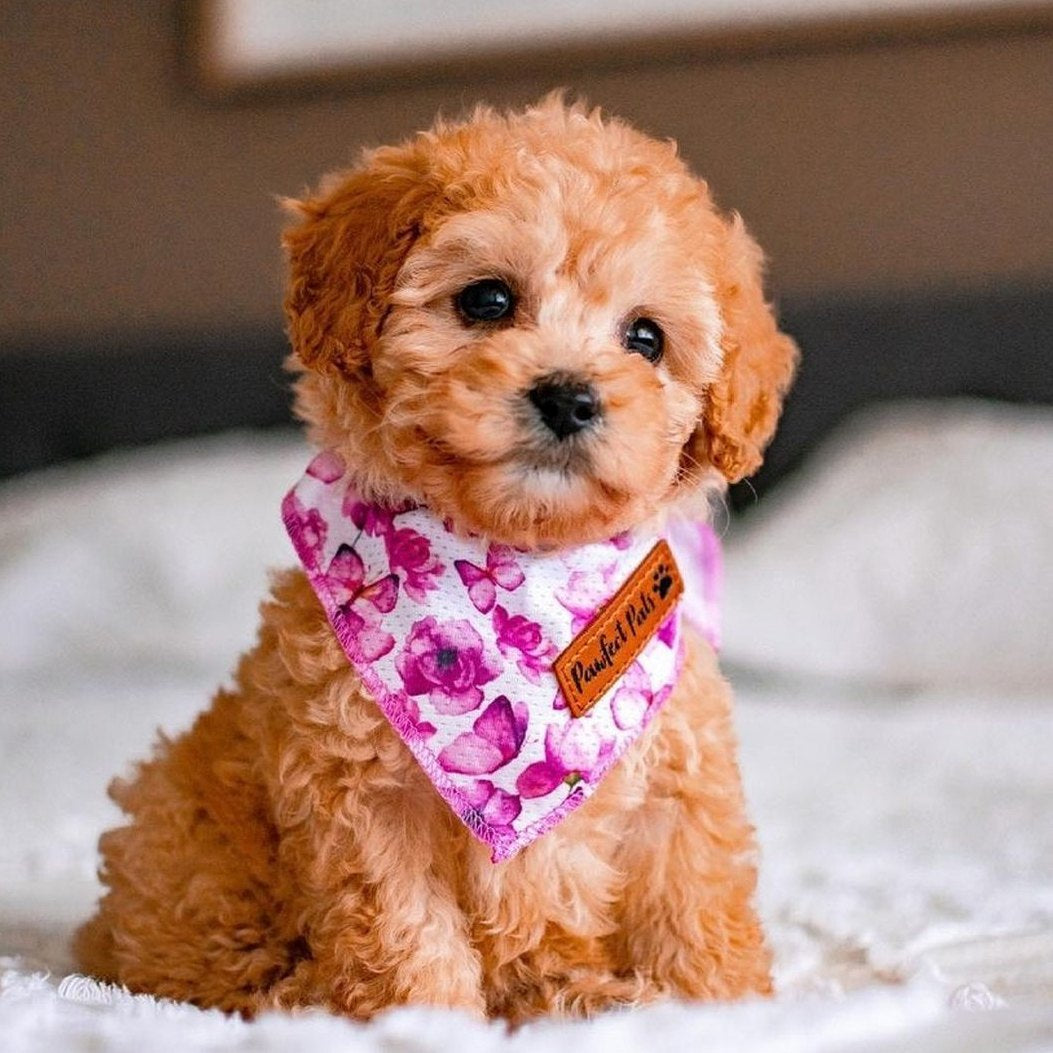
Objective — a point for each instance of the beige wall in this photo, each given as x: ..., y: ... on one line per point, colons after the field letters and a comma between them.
x: 129, y: 202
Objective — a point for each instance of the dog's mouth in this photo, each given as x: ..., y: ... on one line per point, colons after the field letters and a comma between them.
x: 569, y: 459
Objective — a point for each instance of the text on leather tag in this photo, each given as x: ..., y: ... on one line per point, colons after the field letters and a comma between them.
x: 603, y: 650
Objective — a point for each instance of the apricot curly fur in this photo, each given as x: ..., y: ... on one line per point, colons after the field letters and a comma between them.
x: 288, y: 850
x: 743, y: 406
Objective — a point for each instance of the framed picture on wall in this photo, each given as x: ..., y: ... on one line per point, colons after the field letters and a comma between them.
x: 248, y: 45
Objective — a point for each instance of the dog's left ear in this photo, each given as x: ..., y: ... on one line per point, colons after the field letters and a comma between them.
x: 743, y: 404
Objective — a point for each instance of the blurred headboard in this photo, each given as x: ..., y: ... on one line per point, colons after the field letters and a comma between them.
x: 995, y: 344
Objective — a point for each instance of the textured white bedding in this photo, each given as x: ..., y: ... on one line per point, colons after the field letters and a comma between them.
x: 903, y: 810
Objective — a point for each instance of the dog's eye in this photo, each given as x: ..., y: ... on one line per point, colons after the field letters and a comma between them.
x: 486, y: 301
x: 645, y: 336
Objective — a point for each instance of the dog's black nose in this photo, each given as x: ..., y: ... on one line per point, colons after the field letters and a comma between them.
x: 566, y: 406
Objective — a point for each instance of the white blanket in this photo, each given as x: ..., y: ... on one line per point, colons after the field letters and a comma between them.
x: 903, y: 813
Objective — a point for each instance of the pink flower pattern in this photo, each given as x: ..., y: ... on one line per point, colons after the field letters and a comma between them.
x: 405, y: 712
x: 585, y: 592
x: 447, y: 662
x: 573, y: 753
x: 455, y: 639
x: 410, y: 553
x: 497, y: 808
x: 632, y: 698
x: 311, y: 529
x: 374, y: 520
x: 327, y: 466
x: 520, y: 638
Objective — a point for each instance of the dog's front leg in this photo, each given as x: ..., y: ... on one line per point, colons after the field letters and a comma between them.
x: 367, y: 853
x: 379, y: 914
x: 371, y: 857
x: 687, y: 920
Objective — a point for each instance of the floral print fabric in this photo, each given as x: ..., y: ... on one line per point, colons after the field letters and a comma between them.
x: 455, y: 639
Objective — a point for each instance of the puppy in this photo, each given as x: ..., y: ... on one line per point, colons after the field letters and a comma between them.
x: 531, y: 333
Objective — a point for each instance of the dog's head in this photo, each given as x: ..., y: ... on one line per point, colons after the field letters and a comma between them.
x: 537, y: 324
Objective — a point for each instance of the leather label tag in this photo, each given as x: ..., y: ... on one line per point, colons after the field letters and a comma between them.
x: 602, y: 651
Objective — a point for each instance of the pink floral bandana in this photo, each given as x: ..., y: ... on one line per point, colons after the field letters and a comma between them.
x: 455, y: 638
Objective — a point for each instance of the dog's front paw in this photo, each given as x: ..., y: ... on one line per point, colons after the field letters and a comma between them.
x: 585, y: 996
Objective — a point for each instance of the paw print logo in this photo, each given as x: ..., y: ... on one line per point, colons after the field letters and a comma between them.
x: 661, y: 581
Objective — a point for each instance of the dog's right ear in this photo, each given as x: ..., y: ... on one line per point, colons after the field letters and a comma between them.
x: 345, y: 254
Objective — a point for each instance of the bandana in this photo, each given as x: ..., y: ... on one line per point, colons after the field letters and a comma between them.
x: 516, y: 679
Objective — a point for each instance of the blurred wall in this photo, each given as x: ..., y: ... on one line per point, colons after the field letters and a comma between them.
x: 131, y: 203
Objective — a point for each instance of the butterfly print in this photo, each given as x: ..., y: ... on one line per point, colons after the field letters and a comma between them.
x: 501, y: 571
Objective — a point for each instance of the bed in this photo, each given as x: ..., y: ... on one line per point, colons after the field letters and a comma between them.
x: 887, y: 614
